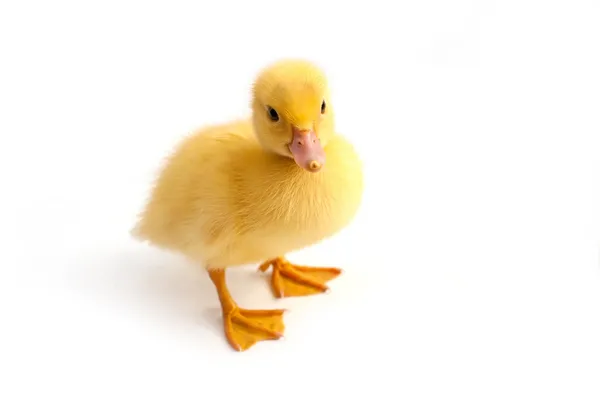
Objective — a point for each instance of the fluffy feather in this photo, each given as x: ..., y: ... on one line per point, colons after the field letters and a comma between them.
x: 230, y: 194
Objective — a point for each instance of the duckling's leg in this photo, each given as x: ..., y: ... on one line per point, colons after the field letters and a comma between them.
x: 243, y: 328
x: 289, y: 280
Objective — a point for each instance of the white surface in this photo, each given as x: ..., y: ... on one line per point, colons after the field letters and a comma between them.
x: 471, y: 272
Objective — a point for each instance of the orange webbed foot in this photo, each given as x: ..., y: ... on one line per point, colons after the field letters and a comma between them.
x: 288, y: 280
x: 244, y: 328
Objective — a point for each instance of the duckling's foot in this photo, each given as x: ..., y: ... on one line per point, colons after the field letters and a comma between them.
x: 244, y: 328
x: 289, y: 280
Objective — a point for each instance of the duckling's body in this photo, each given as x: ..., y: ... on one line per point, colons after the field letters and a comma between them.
x: 225, y: 202
x: 253, y: 190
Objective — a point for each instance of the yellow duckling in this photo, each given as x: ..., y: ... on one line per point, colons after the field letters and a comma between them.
x: 252, y: 190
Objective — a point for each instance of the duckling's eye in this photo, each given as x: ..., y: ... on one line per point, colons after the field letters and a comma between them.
x: 273, y: 114
x: 323, y: 107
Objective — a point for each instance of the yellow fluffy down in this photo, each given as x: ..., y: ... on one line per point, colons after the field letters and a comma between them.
x: 223, y: 200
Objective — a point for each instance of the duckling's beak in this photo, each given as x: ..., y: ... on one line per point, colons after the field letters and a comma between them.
x: 307, y: 150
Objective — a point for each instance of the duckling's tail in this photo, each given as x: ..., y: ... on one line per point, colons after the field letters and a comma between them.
x: 138, y: 231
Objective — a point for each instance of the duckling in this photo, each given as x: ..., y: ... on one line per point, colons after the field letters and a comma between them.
x: 252, y: 190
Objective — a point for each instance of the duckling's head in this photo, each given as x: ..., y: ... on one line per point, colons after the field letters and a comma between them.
x: 292, y: 112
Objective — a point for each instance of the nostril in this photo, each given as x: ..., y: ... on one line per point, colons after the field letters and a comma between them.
x: 299, y: 143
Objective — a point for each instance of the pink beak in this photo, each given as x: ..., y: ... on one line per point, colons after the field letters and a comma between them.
x: 307, y: 150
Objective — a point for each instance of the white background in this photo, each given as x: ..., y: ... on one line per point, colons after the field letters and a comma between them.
x: 471, y: 272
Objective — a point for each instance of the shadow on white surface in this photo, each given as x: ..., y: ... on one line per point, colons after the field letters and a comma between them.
x: 142, y: 282
x: 147, y: 284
